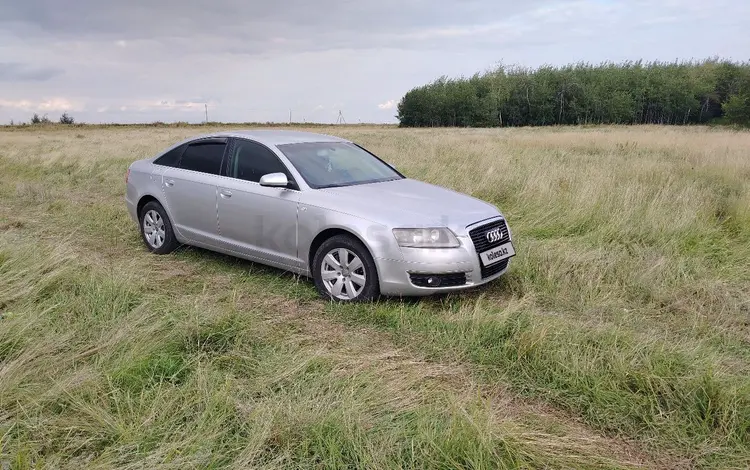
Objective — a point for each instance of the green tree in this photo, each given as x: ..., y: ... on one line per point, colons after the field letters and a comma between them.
x: 66, y: 119
x: 582, y: 93
x: 737, y: 109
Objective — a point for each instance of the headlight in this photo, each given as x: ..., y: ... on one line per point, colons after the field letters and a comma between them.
x: 436, y: 237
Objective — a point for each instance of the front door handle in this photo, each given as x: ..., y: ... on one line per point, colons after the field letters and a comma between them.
x: 169, y: 183
x: 225, y: 193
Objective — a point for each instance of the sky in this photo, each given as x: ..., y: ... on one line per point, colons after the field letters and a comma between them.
x: 252, y: 60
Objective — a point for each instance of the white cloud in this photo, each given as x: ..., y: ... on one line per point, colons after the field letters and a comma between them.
x: 121, y: 43
x: 390, y: 104
x: 170, y: 104
x: 17, y: 104
x: 53, y: 104
x: 57, y: 104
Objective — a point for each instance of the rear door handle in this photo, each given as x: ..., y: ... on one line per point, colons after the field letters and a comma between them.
x: 169, y: 183
x: 225, y: 193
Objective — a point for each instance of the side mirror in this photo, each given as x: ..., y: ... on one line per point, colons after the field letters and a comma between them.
x: 275, y: 180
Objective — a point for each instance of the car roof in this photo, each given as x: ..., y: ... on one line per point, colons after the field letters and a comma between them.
x: 279, y: 137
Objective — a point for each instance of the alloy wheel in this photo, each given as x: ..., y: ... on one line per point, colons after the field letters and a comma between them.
x: 343, y: 274
x: 153, y: 229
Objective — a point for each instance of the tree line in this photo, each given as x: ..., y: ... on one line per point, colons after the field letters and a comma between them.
x: 635, y: 92
x: 65, y: 118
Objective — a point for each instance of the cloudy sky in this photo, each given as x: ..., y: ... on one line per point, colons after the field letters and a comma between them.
x: 254, y: 60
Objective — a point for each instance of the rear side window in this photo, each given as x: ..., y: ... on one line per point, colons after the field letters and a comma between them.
x: 203, y: 157
x: 172, y: 157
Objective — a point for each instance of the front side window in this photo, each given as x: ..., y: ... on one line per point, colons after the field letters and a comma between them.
x: 331, y: 164
x: 203, y: 157
x: 250, y: 161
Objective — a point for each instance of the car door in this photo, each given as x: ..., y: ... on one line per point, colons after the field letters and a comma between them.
x: 257, y: 221
x: 190, y: 190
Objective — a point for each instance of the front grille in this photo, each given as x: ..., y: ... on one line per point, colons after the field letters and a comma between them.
x: 439, y: 280
x: 493, y: 269
x: 479, y: 238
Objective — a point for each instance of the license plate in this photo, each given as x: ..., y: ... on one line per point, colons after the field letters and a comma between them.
x: 497, y: 254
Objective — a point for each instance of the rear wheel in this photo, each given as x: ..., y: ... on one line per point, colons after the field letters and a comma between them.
x: 156, y: 229
x: 344, y: 270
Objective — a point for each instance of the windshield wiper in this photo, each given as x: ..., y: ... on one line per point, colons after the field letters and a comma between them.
x: 356, y: 183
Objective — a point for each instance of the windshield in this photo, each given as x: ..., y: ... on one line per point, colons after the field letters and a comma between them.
x: 330, y: 164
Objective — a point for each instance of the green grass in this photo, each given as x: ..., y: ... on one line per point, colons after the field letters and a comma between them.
x: 619, y: 338
x: 651, y: 389
x: 99, y: 369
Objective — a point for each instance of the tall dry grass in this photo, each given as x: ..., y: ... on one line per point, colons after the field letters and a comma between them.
x: 619, y: 337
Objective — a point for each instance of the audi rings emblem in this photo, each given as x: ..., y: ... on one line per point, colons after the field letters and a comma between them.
x: 494, y: 236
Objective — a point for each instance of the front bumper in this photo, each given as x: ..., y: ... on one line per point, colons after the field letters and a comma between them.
x: 394, y: 277
x: 394, y: 274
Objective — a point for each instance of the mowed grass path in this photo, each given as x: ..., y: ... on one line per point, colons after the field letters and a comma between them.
x: 619, y: 338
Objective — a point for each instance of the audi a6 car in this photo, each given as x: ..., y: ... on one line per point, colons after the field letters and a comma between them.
x: 319, y: 206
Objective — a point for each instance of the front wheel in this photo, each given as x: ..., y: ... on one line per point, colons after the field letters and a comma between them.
x: 344, y: 270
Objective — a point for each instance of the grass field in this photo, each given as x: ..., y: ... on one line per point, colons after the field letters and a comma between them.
x: 619, y: 338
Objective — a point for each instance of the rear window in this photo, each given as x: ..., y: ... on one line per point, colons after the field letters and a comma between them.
x: 203, y: 157
x: 172, y: 157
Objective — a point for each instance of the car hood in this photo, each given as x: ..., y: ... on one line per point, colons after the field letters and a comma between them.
x: 408, y: 203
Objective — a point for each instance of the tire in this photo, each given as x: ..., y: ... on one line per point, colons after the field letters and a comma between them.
x: 334, y: 280
x: 153, y: 218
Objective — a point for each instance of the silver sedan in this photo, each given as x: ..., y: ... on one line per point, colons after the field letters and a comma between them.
x: 319, y: 206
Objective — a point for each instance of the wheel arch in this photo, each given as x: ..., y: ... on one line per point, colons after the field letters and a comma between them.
x: 145, y: 199
x: 328, y: 233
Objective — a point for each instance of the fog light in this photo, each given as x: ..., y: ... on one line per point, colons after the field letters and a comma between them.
x: 433, y: 281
